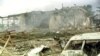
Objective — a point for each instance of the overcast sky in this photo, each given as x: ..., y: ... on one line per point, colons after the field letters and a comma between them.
x: 10, y: 7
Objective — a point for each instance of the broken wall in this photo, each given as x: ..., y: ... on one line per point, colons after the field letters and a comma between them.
x: 56, y: 20
x: 95, y: 21
x: 69, y: 18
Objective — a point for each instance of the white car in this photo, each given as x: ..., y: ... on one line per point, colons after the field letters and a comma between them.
x: 87, y: 44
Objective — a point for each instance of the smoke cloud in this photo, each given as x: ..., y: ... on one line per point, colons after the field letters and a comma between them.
x: 10, y: 7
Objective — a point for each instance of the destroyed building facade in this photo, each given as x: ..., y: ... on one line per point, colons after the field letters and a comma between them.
x: 59, y: 19
x: 95, y: 21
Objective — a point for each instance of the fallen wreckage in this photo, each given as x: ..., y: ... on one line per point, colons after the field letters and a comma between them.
x: 22, y: 43
x: 87, y: 44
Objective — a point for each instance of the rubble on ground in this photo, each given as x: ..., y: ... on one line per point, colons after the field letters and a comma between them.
x: 20, y: 43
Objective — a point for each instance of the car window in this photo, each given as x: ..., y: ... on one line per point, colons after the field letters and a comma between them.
x: 92, y: 47
x: 75, y: 45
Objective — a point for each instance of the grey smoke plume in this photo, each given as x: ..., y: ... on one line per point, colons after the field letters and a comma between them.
x: 99, y: 2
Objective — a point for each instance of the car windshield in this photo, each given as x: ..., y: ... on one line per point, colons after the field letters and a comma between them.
x: 75, y: 45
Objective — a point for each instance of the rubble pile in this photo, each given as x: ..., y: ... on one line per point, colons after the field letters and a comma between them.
x: 14, y: 43
x: 20, y: 43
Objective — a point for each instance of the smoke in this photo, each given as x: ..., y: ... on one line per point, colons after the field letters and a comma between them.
x: 21, y: 6
x: 1, y: 2
x: 98, y: 2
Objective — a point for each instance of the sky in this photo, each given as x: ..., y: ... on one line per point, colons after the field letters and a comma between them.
x: 10, y: 7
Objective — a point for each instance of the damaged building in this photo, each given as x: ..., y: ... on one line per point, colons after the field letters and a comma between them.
x: 59, y: 19
x: 95, y: 21
x: 69, y: 18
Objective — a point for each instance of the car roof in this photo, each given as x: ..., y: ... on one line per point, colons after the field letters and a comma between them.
x: 86, y: 36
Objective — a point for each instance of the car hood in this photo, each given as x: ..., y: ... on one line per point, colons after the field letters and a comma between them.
x: 73, y: 53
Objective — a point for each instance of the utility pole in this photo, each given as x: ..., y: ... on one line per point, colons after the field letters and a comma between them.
x: 2, y: 22
x: 62, y: 6
x: 8, y: 22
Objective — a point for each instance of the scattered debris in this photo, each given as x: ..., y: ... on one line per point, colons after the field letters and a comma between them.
x: 36, y: 51
x: 21, y: 42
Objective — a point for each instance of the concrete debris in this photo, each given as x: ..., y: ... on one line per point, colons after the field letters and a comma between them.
x: 36, y: 51
x: 52, y: 43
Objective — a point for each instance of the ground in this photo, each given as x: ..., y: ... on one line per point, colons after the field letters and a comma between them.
x: 22, y: 42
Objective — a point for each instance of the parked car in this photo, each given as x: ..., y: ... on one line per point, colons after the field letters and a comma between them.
x: 87, y: 44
